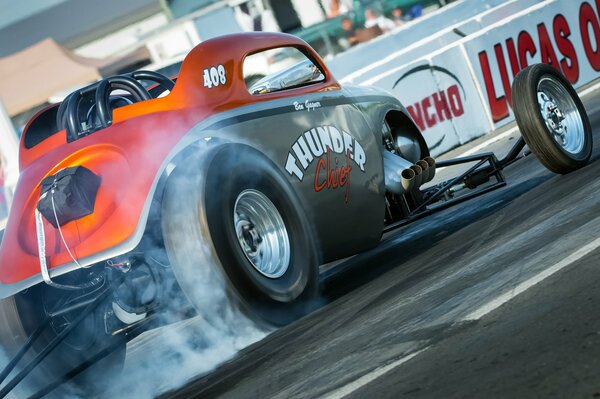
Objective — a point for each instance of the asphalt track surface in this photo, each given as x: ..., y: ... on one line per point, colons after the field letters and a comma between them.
x: 496, y: 297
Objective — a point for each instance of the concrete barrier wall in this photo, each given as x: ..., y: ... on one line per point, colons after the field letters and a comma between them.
x: 563, y: 33
x: 441, y: 95
x: 421, y: 36
x: 462, y: 91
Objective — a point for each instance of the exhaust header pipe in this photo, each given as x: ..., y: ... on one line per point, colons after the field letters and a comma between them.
x: 399, y: 177
x: 402, y: 176
x: 431, y: 162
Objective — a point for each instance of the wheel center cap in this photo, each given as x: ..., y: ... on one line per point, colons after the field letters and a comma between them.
x: 261, y: 233
x: 553, y: 116
x: 560, y: 114
x: 248, y: 236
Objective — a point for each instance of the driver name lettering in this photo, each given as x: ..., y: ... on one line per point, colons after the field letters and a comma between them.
x: 307, y: 105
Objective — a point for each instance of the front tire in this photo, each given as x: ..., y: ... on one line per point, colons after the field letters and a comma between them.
x: 240, y: 228
x: 552, y: 118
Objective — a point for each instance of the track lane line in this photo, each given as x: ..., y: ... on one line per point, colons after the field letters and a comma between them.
x: 488, y: 307
x: 369, y: 377
x: 475, y: 315
x: 525, y: 285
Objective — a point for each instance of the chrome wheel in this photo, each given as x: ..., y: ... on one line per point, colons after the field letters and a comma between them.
x: 261, y: 233
x: 561, y: 115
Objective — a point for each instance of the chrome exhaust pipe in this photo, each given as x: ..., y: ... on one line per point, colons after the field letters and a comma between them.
x: 418, y: 175
x: 425, y: 167
x: 431, y: 162
x: 402, y: 176
x: 408, y: 179
x: 399, y: 177
x: 402, y: 183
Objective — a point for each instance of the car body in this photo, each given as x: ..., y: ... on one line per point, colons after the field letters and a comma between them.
x: 134, y: 153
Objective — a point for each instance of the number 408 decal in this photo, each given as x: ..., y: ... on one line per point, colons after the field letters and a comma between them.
x: 214, y: 76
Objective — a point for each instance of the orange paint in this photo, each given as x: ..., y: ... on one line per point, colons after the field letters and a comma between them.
x: 128, y: 154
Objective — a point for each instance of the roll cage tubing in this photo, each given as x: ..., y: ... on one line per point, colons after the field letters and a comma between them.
x: 69, y: 115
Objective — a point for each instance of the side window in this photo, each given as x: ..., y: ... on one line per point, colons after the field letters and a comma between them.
x: 279, y: 69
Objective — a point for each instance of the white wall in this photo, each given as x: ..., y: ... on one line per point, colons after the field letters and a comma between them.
x: 543, y: 30
x: 481, y: 65
x: 411, y: 34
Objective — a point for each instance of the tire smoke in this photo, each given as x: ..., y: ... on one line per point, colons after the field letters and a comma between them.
x: 166, y: 358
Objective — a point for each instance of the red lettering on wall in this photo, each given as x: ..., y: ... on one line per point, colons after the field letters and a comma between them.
x: 526, y: 46
x: 429, y: 117
x: 556, y: 48
x: 456, y: 104
x: 498, y: 105
x: 503, y: 72
x: 441, y: 106
x: 512, y: 56
x: 587, y: 19
x: 546, y: 49
x: 438, y: 107
x: 569, y: 63
x: 417, y: 115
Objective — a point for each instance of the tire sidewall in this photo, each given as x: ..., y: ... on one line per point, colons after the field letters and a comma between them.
x: 527, y: 80
x: 248, y: 170
x: 199, y: 235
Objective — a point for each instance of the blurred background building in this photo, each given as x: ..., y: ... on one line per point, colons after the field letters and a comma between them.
x: 54, y: 46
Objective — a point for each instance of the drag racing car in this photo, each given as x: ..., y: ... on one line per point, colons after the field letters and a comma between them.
x: 136, y: 201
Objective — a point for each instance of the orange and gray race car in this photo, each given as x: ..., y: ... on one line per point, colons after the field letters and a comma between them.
x: 133, y: 194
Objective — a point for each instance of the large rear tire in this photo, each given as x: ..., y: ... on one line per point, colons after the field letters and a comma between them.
x: 234, y: 229
x: 552, y: 118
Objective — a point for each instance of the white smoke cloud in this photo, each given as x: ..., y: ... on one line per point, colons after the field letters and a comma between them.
x: 3, y: 359
x: 167, y: 358
x: 22, y: 390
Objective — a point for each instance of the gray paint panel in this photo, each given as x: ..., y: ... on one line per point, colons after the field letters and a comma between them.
x: 344, y: 229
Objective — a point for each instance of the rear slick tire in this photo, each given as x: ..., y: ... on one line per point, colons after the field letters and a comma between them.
x: 551, y: 118
x: 214, y: 251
